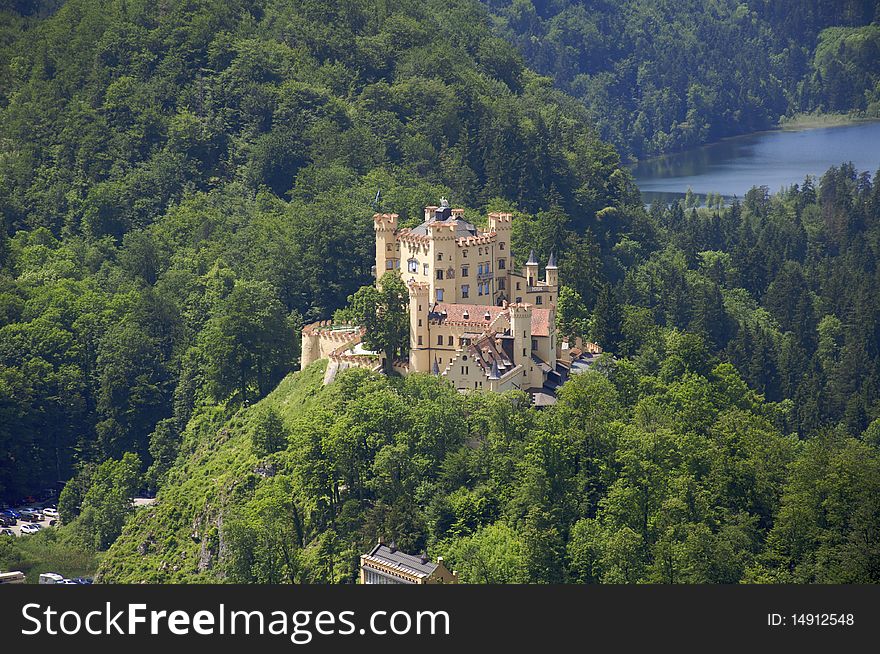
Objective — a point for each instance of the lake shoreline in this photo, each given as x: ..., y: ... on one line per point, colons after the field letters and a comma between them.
x: 775, y: 158
x: 797, y: 123
x: 818, y: 119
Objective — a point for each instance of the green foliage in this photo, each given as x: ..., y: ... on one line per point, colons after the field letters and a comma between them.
x: 108, y: 501
x: 265, y: 541
x: 572, y: 316
x: 383, y: 311
x: 248, y: 342
x: 664, y: 76
x: 181, y: 189
x: 268, y: 433
x: 49, y: 550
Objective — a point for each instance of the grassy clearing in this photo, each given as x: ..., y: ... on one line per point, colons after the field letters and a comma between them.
x: 50, y: 550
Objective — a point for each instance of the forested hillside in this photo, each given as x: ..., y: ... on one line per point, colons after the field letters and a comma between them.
x: 663, y: 75
x: 664, y: 464
x: 182, y: 184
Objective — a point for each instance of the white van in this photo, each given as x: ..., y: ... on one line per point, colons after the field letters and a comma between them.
x: 14, y: 577
x: 51, y: 578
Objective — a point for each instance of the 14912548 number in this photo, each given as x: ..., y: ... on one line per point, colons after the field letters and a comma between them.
x: 822, y: 619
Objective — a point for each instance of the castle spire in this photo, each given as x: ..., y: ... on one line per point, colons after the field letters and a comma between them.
x: 532, y: 260
x: 551, y: 262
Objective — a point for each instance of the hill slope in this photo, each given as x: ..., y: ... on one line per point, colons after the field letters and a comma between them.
x: 181, y: 185
x: 659, y: 76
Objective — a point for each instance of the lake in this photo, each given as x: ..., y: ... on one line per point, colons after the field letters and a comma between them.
x: 774, y: 159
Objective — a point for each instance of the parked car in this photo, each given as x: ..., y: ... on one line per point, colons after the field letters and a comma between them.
x: 31, y: 515
x: 30, y: 528
x: 7, y: 520
x: 50, y: 512
x: 6, y: 532
x: 83, y: 580
x: 51, y: 578
x: 12, y: 512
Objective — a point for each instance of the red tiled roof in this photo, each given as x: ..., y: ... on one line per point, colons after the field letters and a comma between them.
x: 540, y: 322
x: 454, y: 313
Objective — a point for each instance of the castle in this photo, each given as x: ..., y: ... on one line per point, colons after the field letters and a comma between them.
x: 475, y: 319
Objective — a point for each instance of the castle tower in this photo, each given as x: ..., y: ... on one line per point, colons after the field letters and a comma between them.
x: 387, y: 256
x: 551, y: 271
x: 531, y: 270
x: 419, y: 343
x: 521, y: 330
x: 500, y: 223
x: 310, y: 350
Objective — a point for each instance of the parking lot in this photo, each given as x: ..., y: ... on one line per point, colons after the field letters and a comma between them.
x: 39, y: 506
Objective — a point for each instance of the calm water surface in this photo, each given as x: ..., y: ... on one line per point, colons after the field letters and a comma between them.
x: 774, y: 159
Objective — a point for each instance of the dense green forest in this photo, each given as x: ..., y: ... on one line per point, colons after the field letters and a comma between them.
x: 182, y: 185
x: 664, y: 75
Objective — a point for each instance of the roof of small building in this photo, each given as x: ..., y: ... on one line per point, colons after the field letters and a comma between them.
x: 418, y: 565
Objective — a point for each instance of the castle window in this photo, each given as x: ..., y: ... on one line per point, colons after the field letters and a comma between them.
x: 449, y: 343
x: 518, y: 287
x: 479, y: 289
x: 439, y: 339
x: 420, y: 322
x: 464, y: 253
x: 501, y: 245
x: 439, y: 294
x: 389, y: 247
x: 534, y: 343
x: 481, y: 252
x: 480, y: 269
x: 424, y: 269
x: 501, y: 264
x: 412, y: 266
x: 420, y: 340
x: 464, y: 271
x: 439, y: 256
x: 500, y: 284
x: 439, y: 274
x: 538, y: 301
x: 465, y: 290
x: 518, y: 300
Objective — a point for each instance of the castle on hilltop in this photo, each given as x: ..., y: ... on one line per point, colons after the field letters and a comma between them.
x: 474, y: 318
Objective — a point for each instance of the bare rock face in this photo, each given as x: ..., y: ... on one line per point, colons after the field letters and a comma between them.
x: 145, y: 547
x: 265, y: 470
